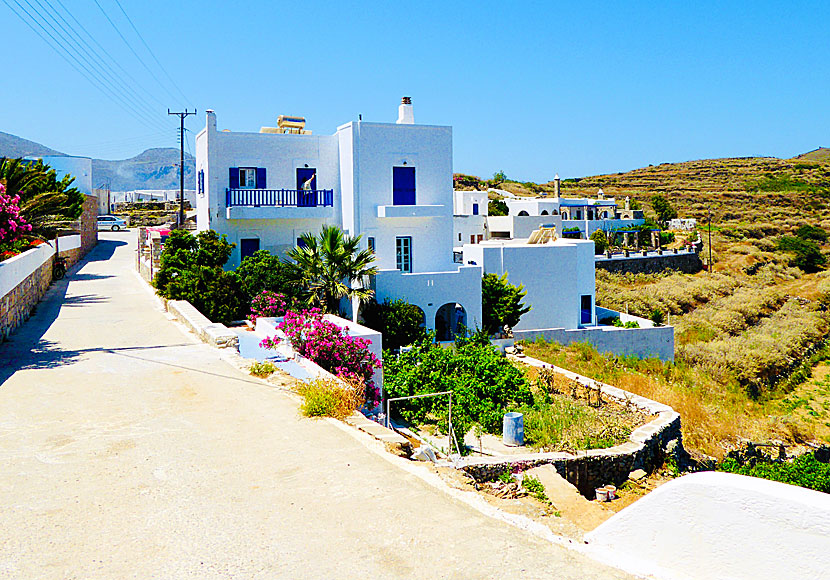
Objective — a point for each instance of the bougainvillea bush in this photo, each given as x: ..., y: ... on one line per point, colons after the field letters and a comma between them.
x: 12, y: 225
x: 268, y: 304
x: 331, y: 347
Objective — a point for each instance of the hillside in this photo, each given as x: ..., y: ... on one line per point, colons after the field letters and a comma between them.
x: 152, y: 169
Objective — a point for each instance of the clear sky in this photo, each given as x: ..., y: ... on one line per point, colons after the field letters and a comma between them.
x: 531, y: 88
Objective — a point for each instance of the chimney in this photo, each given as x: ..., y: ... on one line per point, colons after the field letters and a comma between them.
x: 211, y: 120
x: 406, y: 115
x: 556, y: 185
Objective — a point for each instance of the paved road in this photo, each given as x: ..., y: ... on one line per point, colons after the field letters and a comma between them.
x: 128, y: 450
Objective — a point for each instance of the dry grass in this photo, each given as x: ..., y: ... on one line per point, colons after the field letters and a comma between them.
x: 330, y: 398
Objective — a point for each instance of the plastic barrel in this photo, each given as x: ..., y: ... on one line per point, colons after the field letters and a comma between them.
x: 513, y: 429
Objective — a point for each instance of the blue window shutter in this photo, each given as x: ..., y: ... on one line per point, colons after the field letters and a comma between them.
x: 475, y: 209
x: 233, y: 182
x: 403, y: 186
x: 260, y: 178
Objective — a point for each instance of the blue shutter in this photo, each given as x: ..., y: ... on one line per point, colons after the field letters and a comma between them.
x: 403, y: 186
x: 233, y: 182
x: 260, y: 178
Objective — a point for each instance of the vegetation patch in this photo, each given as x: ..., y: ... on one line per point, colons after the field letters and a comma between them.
x: 330, y: 398
x: 803, y: 471
x: 262, y: 369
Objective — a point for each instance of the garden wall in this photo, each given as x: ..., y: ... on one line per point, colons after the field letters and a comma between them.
x: 646, y: 448
x: 684, y: 261
x: 644, y: 342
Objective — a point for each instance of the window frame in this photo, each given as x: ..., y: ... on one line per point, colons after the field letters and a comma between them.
x: 403, y: 254
x: 243, y: 184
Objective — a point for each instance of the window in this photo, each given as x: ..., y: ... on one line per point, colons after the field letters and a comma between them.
x: 403, y: 254
x: 523, y: 212
x: 371, y: 243
x: 459, y: 236
x: 200, y: 182
x: 247, y: 247
x: 475, y: 209
x: 403, y: 186
x: 544, y: 212
x: 586, y: 310
x: 306, y: 178
x: 472, y: 238
x: 247, y: 177
x: 579, y: 214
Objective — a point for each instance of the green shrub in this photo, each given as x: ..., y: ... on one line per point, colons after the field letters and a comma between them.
x: 501, y: 303
x: 497, y: 207
x: 662, y: 208
x: 803, y: 471
x: 806, y: 253
x: 484, y: 384
x: 265, y: 271
x: 262, y: 369
x: 600, y: 241
x: 657, y: 317
x: 400, y: 322
x: 812, y: 233
x: 535, y: 487
x: 191, y: 269
x: 563, y: 424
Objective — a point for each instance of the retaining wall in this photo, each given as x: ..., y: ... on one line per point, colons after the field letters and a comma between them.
x: 636, y: 263
x: 646, y: 448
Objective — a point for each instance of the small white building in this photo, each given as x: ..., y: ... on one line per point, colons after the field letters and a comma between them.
x: 391, y: 183
x: 559, y: 277
x: 687, y: 224
x: 78, y: 167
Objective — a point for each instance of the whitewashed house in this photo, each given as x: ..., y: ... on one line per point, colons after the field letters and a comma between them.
x: 389, y: 182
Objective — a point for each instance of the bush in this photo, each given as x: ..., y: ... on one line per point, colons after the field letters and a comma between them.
x: 807, y: 255
x: 657, y: 317
x: 191, y: 269
x: 803, y: 471
x: 535, y: 487
x: 567, y: 425
x: 662, y: 208
x: 496, y: 207
x: 600, y: 241
x: 263, y: 369
x: 328, y: 398
x: 12, y: 225
x: 501, y: 303
x: 265, y: 271
x: 400, y: 322
x: 331, y: 347
x: 268, y: 304
x: 811, y: 233
x: 574, y: 233
x: 484, y: 384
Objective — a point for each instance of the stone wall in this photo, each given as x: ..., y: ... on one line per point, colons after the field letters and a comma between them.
x: 17, y: 303
x: 88, y: 225
x: 646, y: 448
x: 636, y: 263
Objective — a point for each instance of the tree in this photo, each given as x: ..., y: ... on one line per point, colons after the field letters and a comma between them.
x: 663, y: 209
x: 191, y: 269
x: 46, y: 202
x: 328, y: 265
x: 497, y: 207
x: 806, y: 254
x: 600, y: 241
x: 400, y: 322
x: 265, y: 271
x: 501, y: 303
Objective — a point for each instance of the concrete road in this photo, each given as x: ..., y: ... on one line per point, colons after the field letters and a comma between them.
x: 129, y: 450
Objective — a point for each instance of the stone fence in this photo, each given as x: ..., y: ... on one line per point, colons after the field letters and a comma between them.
x: 25, y: 278
x: 653, y: 262
x: 646, y: 448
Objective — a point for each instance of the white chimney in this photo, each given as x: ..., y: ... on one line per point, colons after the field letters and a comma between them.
x: 556, y: 186
x: 211, y: 120
x: 406, y: 115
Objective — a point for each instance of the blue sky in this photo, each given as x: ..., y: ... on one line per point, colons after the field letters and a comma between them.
x: 532, y: 88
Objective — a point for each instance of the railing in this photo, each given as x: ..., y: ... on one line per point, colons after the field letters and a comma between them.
x: 279, y: 197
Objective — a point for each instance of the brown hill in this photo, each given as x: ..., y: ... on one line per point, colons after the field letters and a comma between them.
x: 820, y: 155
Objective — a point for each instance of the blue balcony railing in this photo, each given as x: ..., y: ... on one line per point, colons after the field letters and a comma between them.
x: 279, y: 197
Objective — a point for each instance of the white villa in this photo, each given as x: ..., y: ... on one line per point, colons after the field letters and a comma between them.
x: 389, y: 182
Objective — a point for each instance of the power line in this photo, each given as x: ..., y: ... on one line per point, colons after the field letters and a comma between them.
x: 93, y: 61
x: 141, y: 38
x: 182, y: 116
x: 70, y: 59
x: 141, y: 60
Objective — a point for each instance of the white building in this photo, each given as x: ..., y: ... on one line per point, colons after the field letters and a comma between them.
x: 391, y: 183
x: 559, y: 277
x: 687, y: 224
x: 78, y: 167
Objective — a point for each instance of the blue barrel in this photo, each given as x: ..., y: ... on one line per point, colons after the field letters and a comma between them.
x: 513, y: 429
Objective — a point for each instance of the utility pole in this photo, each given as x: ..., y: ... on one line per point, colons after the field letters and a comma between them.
x: 709, y: 208
x: 181, y: 117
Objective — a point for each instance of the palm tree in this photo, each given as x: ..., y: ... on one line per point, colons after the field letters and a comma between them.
x: 329, y: 265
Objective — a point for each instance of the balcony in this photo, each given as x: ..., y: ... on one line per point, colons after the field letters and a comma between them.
x: 279, y: 203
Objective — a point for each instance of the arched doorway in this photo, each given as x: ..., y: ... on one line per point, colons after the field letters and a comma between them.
x: 544, y: 212
x: 450, y: 320
x: 523, y: 212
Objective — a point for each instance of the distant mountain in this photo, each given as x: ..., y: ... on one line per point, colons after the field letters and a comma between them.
x: 14, y: 146
x: 152, y: 169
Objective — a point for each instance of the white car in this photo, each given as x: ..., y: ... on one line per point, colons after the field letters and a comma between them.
x: 110, y: 222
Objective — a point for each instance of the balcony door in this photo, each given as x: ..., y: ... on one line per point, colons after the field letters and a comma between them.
x: 403, y: 186
x: 306, y: 187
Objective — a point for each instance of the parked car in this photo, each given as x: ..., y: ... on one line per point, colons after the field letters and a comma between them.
x: 110, y: 222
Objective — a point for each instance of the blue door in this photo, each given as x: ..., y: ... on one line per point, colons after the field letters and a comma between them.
x: 306, y: 187
x: 403, y: 186
x: 247, y: 247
